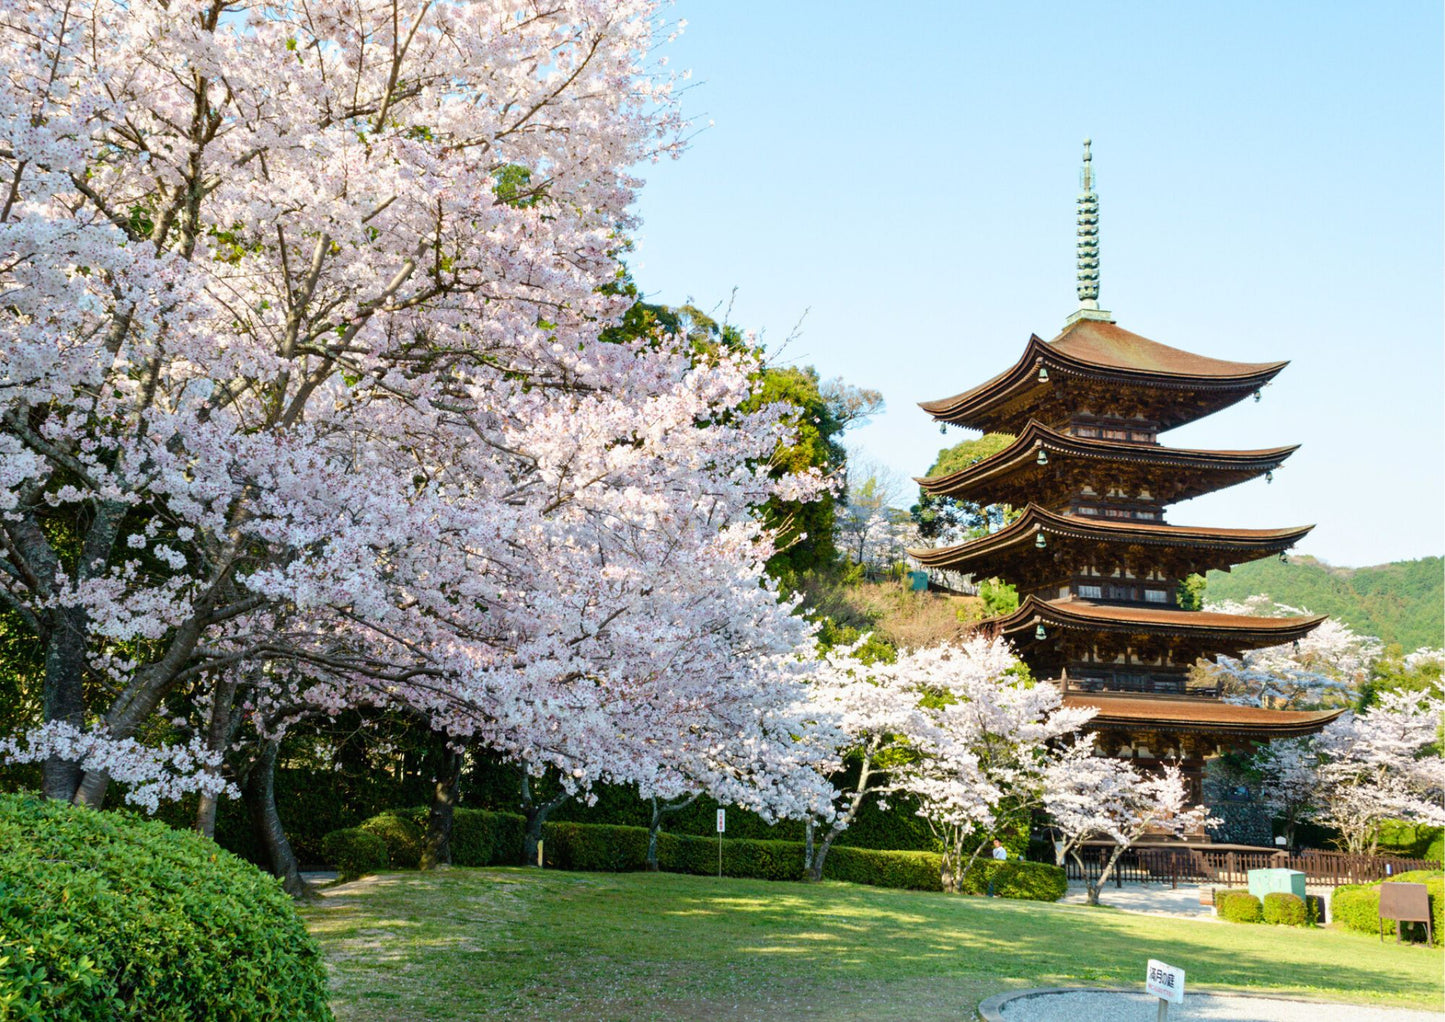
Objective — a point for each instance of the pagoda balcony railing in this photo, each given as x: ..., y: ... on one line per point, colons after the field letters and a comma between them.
x: 1149, y: 684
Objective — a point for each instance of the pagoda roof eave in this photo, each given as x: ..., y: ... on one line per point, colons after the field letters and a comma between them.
x: 1098, y: 617
x: 1092, y: 349
x: 1036, y: 436
x: 1172, y: 713
x: 1035, y: 520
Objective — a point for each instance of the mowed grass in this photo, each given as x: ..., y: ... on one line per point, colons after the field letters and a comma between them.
x: 523, y: 944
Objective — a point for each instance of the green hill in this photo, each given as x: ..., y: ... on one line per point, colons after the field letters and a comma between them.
x: 1402, y: 602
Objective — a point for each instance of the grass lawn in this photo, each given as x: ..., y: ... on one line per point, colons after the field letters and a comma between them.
x: 520, y: 944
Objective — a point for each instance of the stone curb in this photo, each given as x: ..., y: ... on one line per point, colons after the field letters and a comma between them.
x: 991, y: 1010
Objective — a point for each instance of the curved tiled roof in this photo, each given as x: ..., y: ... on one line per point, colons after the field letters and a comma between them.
x: 1021, y: 455
x: 1099, y: 350
x: 1168, y: 712
x: 1035, y: 519
x: 1099, y: 617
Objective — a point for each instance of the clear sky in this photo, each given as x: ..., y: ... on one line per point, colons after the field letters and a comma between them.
x: 1270, y: 182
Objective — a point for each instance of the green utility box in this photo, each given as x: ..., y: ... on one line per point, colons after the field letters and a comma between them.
x: 1276, y: 881
x: 918, y: 581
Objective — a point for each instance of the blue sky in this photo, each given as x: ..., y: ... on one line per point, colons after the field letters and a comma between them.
x: 1270, y: 181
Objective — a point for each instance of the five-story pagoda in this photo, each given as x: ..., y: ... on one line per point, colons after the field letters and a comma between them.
x: 1096, y: 565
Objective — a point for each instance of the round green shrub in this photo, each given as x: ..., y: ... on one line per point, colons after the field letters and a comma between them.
x: 1238, y: 907
x: 107, y: 916
x: 1284, y: 909
x: 402, y: 834
x: 354, y: 852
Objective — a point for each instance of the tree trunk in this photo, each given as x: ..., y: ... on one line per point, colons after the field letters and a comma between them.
x: 808, y: 844
x: 659, y: 811
x: 840, y: 824
x: 64, y: 698
x: 218, y: 736
x: 536, y: 816
x: 259, y: 793
x: 437, y: 849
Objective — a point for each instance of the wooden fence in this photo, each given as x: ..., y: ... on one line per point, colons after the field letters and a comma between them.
x: 1201, y: 865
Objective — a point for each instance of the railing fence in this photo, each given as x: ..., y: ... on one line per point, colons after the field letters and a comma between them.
x: 1201, y: 865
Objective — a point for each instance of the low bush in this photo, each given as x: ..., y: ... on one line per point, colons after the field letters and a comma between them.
x: 402, y: 833
x: 741, y: 857
x: 107, y: 916
x: 480, y: 838
x: 354, y: 852
x: 1284, y: 909
x: 1357, y: 906
x: 1238, y: 907
x: 594, y: 847
x: 1017, y: 878
x: 914, y: 871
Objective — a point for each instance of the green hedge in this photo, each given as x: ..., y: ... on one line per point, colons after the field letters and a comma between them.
x: 401, y: 832
x: 481, y: 838
x: 107, y: 916
x: 1357, y: 906
x: 1238, y: 906
x: 1284, y: 909
x: 1017, y: 878
x: 914, y: 871
x: 355, y: 852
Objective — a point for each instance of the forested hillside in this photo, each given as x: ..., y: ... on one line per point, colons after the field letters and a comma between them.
x: 1400, y: 602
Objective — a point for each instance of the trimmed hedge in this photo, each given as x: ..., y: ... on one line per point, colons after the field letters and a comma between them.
x: 355, y: 852
x: 1357, y: 906
x: 479, y: 838
x: 401, y: 833
x: 914, y: 871
x: 107, y: 916
x: 1238, y: 906
x: 1017, y: 878
x: 482, y: 838
x: 1284, y: 909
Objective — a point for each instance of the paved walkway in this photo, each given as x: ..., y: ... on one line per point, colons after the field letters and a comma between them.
x: 1151, y: 899
x: 1161, y: 899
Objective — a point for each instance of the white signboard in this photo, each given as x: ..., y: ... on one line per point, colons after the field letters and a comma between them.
x: 1165, y: 982
x: 722, y: 820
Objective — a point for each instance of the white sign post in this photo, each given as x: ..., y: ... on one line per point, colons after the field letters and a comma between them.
x: 1166, y: 983
x: 722, y: 825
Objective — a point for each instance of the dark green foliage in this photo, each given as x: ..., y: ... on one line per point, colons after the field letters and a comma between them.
x: 1190, y: 593
x: 1238, y: 906
x: 759, y: 860
x: 354, y: 852
x: 595, y: 847
x: 935, y: 516
x: 479, y: 838
x: 914, y: 871
x: 1401, y: 603
x: 403, y: 836
x: 104, y: 916
x: 1284, y: 909
x: 1017, y: 878
x: 1357, y: 906
x: 1411, y: 840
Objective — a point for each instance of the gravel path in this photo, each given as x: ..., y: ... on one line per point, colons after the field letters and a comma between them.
x: 1112, y: 1006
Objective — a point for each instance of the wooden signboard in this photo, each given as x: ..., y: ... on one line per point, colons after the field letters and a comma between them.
x: 1405, y: 903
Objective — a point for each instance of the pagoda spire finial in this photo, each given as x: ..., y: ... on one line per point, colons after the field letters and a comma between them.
x: 1088, y: 245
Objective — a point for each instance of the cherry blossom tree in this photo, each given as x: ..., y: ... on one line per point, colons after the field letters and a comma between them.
x: 1091, y: 797
x: 981, y: 763
x: 305, y: 403
x: 1327, y: 667
x: 1382, y: 764
x: 1290, y: 787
